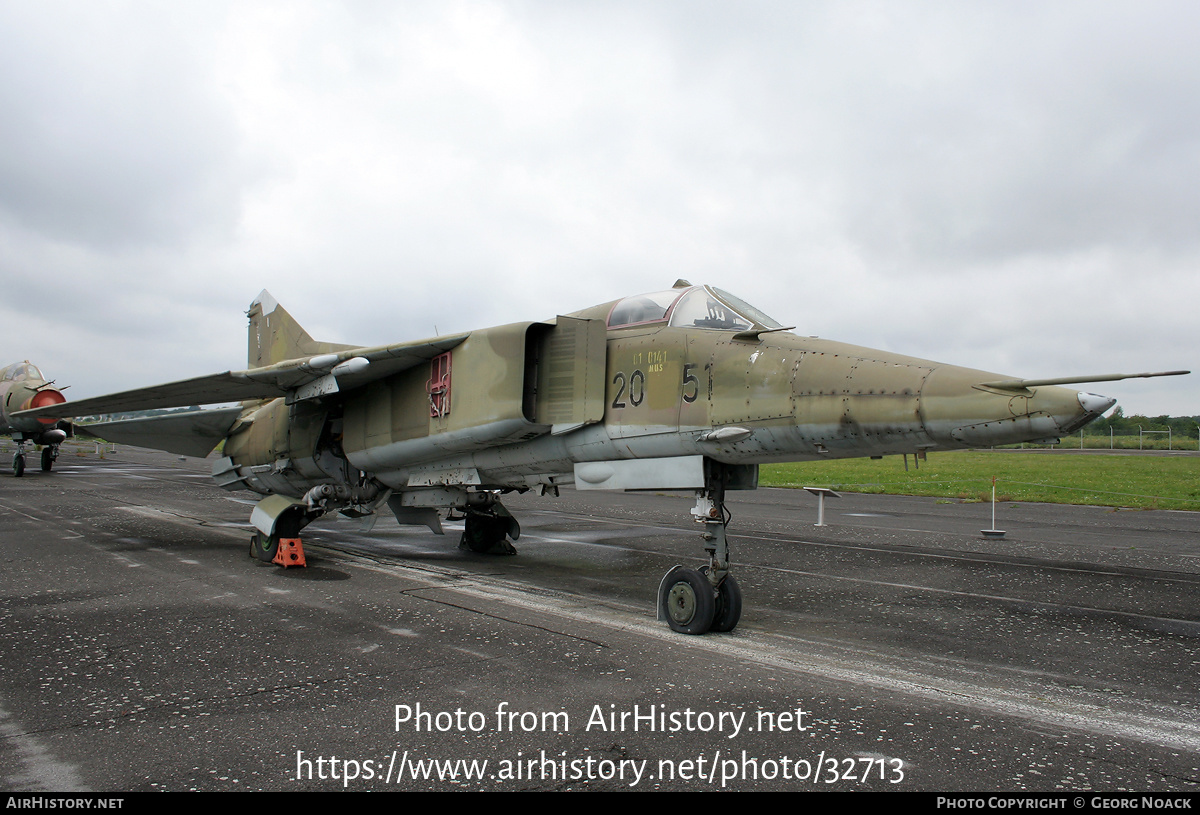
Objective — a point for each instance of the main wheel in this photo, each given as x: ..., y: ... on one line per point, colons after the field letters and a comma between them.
x: 729, y: 605
x: 485, y: 534
x: 263, y: 547
x: 686, y: 601
x: 18, y: 465
x: 47, y: 459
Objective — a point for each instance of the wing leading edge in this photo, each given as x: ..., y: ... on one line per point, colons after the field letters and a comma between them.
x: 296, y: 379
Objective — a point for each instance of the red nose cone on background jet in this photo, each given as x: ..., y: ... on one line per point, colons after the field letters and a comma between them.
x: 45, y: 397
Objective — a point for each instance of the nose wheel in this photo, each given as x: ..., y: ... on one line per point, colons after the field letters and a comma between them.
x: 686, y: 601
x: 728, y: 606
x: 19, y: 459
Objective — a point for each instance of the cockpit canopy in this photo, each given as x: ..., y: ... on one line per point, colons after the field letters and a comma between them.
x: 20, y: 371
x: 692, y: 307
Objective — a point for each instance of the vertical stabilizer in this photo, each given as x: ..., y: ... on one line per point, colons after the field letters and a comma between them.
x: 274, y: 335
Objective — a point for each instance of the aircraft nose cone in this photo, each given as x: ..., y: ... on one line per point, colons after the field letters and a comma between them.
x: 1095, y: 403
x: 44, y: 397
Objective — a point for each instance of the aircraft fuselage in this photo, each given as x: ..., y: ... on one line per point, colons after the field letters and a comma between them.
x: 672, y: 392
x: 689, y: 388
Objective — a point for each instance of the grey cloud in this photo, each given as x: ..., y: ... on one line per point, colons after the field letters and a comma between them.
x: 112, y: 133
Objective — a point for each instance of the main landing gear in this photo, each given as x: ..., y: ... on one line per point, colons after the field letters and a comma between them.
x: 696, y: 601
x: 263, y: 547
x: 487, y: 531
x: 283, y: 552
x: 285, y: 519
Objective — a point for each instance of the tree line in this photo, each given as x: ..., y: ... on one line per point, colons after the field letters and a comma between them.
x: 1119, y: 424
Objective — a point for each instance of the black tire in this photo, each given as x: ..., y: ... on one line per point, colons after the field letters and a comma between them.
x: 729, y: 605
x: 483, y: 532
x: 263, y: 547
x: 686, y: 601
x: 18, y: 465
x: 47, y: 459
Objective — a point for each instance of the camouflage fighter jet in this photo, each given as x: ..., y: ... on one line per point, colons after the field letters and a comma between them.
x: 22, y: 387
x: 685, y: 389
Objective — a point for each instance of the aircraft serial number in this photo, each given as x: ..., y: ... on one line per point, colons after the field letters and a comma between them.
x: 633, y: 386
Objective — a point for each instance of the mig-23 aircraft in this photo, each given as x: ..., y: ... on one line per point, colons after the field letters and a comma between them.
x: 684, y: 389
x: 22, y: 387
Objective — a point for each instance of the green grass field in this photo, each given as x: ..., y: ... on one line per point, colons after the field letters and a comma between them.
x: 1148, y: 482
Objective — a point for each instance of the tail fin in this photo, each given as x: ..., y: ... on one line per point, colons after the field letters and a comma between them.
x: 275, y: 335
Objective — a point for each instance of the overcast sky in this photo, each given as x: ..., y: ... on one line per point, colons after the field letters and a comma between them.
x: 1010, y: 186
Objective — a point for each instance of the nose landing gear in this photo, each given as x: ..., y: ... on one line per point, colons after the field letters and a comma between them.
x: 696, y: 601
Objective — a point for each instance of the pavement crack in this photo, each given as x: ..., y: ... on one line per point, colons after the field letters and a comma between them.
x: 502, y: 618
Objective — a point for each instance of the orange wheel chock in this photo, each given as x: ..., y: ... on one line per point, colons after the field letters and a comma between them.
x: 289, y: 553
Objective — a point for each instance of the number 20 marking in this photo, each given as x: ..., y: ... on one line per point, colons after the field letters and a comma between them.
x: 637, y: 389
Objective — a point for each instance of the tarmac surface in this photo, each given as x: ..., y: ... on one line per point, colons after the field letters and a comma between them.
x: 894, y: 649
